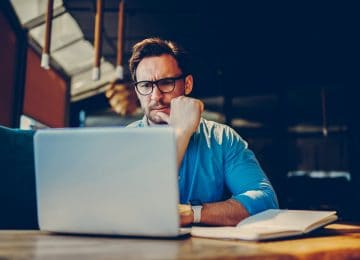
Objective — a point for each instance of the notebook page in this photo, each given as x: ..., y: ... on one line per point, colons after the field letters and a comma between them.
x: 284, y: 219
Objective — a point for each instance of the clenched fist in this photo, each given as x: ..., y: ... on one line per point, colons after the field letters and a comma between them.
x: 185, y: 114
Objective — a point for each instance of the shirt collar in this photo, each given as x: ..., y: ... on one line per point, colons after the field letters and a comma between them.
x: 145, y: 122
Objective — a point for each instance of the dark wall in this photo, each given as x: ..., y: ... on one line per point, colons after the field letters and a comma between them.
x: 243, y: 41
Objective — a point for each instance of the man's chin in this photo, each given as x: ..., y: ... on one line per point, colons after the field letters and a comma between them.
x: 156, y: 120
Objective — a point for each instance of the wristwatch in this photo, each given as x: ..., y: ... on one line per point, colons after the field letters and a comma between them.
x: 196, y: 206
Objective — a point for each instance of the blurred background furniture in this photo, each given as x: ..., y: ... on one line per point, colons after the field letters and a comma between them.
x: 17, y: 180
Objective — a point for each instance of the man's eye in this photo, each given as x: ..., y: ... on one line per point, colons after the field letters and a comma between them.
x: 145, y: 85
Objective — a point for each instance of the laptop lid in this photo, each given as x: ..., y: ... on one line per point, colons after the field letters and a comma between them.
x: 113, y: 181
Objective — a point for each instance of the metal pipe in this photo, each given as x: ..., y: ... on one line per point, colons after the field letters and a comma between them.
x: 45, y: 58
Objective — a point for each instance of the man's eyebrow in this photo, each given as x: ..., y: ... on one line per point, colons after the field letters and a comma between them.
x: 169, y: 77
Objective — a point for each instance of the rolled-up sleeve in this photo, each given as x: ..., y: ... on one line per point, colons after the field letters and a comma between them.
x: 244, y: 177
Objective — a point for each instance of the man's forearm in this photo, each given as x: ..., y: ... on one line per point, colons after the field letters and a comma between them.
x: 185, y: 117
x: 225, y: 213
x: 182, y: 141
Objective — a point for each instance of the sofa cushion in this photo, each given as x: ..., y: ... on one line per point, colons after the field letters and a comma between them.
x: 17, y: 180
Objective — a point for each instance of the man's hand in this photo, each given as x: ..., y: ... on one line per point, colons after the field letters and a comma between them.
x: 186, y: 215
x: 185, y: 114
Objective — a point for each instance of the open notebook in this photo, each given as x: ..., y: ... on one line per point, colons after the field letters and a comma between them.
x: 269, y: 224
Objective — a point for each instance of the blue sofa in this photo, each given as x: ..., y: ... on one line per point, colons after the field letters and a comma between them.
x: 17, y: 180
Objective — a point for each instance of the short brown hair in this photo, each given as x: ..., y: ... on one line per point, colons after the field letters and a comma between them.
x: 151, y: 47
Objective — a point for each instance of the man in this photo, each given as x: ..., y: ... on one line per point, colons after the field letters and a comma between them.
x: 216, y: 169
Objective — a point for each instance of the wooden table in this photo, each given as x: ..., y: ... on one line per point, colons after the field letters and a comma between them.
x: 336, y: 241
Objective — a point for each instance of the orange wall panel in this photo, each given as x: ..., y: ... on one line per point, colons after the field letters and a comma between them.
x: 46, y: 93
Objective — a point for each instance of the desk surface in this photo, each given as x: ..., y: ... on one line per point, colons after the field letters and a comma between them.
x: 336, y: 241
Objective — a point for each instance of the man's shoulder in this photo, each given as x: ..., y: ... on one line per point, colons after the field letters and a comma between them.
x: 212, y: 125
x: 219, y: 132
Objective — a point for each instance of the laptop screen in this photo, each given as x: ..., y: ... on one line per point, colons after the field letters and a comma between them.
x: 107, y: 181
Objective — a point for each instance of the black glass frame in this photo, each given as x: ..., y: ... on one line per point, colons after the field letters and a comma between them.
x: 156, y: 83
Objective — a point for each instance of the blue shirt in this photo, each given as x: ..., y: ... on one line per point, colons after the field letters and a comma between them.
x: 218, y: 165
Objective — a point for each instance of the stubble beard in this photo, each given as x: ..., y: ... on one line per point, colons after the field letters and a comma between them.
x: 152, y: 116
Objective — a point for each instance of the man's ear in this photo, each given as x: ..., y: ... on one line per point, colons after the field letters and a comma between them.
x: 189, y: 82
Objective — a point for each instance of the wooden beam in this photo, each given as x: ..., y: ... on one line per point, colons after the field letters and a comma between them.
x: 98, y: 39
x: 119, y: 58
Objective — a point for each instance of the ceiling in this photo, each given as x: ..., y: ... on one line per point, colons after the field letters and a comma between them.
x: 262, y: 40
x: 253, y: 48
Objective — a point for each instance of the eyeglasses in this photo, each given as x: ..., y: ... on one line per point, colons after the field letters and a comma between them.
x: 165, y: 85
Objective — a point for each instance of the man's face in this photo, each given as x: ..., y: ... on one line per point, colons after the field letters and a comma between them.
x: 155, y: 68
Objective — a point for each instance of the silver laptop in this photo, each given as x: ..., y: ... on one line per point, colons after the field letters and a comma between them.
x: 108, y: 181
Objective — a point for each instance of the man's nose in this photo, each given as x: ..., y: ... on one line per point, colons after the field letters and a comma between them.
x: 156, y: 93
